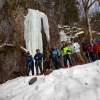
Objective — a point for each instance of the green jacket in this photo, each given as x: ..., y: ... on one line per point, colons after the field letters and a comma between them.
x: 66, y: 50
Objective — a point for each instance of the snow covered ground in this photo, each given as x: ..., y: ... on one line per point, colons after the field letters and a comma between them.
x: 77, y: 83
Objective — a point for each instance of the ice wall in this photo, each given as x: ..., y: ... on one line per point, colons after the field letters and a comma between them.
x: 32, y: 30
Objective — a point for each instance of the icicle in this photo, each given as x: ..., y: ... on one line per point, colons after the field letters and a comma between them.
x: 46, y: 26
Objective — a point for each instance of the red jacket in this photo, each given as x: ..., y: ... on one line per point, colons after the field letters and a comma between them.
x: 97, y: 47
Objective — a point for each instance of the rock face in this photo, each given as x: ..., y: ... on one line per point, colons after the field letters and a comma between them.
x: 12, y: 59
x: 11, y: 63
x: 12, y: 12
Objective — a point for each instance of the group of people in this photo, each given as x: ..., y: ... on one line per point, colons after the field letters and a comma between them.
x: 66, y: 55
x: 38, y: 62
x: 91, y: 51
x: 70, y: 54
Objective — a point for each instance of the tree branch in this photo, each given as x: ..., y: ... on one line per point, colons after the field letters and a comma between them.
x: 83, y: 2
x: 85, y: 5
x: 91, y: 4
x: 87, y: 2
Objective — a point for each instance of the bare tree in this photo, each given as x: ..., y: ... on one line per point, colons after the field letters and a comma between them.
x: 86, y: 5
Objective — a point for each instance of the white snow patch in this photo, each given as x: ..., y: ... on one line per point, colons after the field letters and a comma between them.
x: 81, y: 82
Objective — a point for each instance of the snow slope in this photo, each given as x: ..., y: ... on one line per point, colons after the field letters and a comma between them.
x: 81, y: 82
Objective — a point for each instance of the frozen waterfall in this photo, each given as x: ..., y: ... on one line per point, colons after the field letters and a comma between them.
x: 32, y: 30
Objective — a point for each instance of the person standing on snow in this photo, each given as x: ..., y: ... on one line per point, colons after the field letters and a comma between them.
x: 90, y: 50
x: 47, y: 61
x: 77, y: 52
x: 30, y: 63
x: 38, y: 61
x: 55, y: 56
x: 66, y: 53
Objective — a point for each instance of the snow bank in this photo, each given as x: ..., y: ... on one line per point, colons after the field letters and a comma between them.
x: 77, y: 83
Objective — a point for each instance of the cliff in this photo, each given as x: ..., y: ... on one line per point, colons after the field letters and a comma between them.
x: 12, y: 12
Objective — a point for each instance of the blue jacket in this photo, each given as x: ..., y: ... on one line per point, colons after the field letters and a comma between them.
x: 30, y: 61
x: 55, y: 53
x: 38, y: 57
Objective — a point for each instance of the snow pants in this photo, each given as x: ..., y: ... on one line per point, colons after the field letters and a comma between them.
x: 31, y: 68
x: 67, y: 58
x: 38, y: 65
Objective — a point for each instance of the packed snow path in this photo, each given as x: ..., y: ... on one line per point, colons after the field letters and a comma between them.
x: 77, y: 83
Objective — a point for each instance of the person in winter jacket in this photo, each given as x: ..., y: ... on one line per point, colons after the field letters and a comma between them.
x: 30, y: 63
x: 38, y: 61
x: 55, y: 56
x: 66, y: 55
x: 97, y: 49
x: 85, y: 51
x: 47, y: 63
x: 77, y: 52
x: 91, y: 54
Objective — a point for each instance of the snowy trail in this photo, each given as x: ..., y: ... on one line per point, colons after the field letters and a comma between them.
x: 81, y: 82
